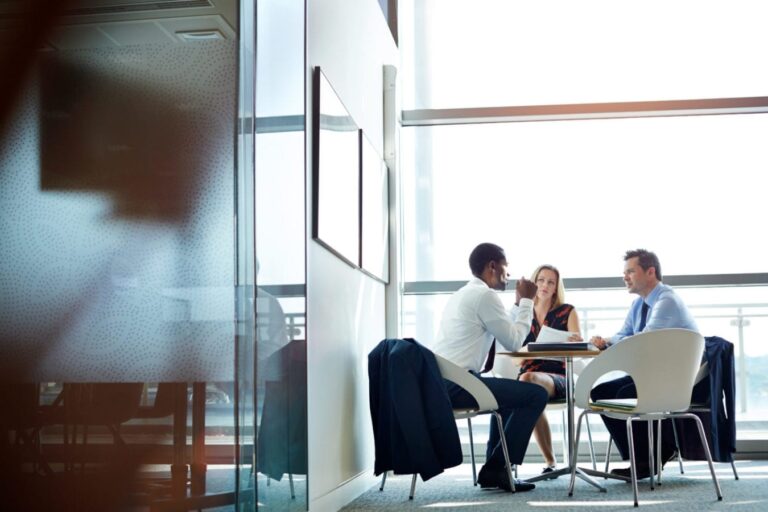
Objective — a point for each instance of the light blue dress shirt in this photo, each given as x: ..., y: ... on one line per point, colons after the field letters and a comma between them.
x: 665, y: 310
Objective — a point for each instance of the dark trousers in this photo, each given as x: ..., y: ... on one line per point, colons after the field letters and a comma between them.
x: 520, y: 405
x: 625, y: 388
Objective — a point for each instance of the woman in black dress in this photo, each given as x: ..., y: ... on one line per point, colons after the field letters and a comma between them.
x: 549, y: 309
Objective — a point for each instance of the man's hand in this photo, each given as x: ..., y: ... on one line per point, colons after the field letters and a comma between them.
x: 524, y: 289
x: 599, y: 342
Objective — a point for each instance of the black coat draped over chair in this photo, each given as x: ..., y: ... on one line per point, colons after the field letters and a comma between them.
x: 413, y: 424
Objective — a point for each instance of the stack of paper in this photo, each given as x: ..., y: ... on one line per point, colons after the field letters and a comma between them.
x: 552, y: 339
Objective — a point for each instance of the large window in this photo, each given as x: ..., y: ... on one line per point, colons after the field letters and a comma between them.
x: 513, y: 132
x: 579, y: 193
x: 525, y: 52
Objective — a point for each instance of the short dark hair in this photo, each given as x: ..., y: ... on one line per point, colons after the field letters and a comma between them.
x: 646, y: 260
x: 484, y: 254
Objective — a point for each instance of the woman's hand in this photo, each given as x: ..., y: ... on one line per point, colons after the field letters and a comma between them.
x: 575, y: 337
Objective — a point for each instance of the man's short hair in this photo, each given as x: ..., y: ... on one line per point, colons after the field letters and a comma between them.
x: 484, y: 254
x: 646, y: 260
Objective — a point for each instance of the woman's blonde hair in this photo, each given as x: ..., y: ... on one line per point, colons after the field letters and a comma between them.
x: 558, y: 297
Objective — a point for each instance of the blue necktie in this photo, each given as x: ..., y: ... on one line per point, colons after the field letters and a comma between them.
x: 643, y: 315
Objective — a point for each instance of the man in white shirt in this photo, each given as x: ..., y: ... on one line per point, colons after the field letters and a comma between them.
x: 473, y: 320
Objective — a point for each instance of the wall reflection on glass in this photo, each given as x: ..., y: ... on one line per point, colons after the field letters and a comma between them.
x: 281, y: 368
x: 117, y: 297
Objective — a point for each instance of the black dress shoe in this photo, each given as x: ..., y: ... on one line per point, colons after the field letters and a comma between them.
x: 520, y: 485
x: 642, y: 472
x: 488, y: 477
x: 497, y: 478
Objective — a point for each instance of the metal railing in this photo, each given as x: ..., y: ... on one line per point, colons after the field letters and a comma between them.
x: 740, y: 318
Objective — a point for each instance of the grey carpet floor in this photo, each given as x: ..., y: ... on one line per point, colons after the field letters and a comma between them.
x: 453, y: 491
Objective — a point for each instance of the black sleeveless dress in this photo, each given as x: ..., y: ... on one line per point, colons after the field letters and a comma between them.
x: 556, y: 319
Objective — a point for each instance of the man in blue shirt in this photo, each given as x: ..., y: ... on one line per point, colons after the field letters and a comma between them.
x: 657, y: 307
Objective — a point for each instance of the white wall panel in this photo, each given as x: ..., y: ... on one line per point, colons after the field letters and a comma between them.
x: 345, y: 308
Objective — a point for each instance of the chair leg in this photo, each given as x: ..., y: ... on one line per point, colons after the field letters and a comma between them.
x: 677, y: 447
x: 413, y: 487
x: 659, y: 463
x: 503, y: 438
x: 651, y: 449
x: 85, y: 447
x: 680, y: 457
x: 591, y: 446
x: 68, y: 449
x: 290, y: 481
x: 383, y: 480
x: 704, y: 443
x: 33, y: 441
x: 608, y: 453
x: 632, y: 461
x: 472, y: 452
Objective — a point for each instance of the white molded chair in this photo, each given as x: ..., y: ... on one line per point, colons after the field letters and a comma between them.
x: 664, y: 365
x: 487, y: 404
x: 695, y: 407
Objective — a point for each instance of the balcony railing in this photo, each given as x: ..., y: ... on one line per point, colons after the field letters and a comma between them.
x: 739, y: 317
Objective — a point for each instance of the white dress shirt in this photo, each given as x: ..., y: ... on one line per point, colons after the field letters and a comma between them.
x: 473, y: 317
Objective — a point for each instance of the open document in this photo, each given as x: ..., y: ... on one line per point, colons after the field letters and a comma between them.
x: 553, y: 339
x: 550, y: 335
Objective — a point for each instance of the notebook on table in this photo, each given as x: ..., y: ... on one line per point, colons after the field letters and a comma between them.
x: 553, y: 346
x: 550, y: 339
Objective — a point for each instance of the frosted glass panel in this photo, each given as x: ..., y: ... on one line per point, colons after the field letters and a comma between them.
x: 116, y: 196
x: 118, y: 269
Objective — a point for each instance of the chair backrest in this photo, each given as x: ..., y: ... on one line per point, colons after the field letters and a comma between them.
x: 471, y: 384
x: 702, y: 373
x: 663, y: 364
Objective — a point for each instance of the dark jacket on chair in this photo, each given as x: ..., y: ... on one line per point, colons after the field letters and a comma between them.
x: 718, y: 392
x: 413, y: 425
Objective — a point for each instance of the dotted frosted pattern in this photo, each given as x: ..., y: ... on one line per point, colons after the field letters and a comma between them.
x: 117, y: 217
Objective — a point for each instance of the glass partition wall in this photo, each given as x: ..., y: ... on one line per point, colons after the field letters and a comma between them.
x: 567, y: 138
x: 280, y: 434
x: 152, y: 341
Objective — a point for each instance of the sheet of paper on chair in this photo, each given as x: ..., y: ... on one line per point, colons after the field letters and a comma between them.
x: 550, y: 335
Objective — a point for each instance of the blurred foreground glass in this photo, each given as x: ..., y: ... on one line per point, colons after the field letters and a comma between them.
x: 122, y: 298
